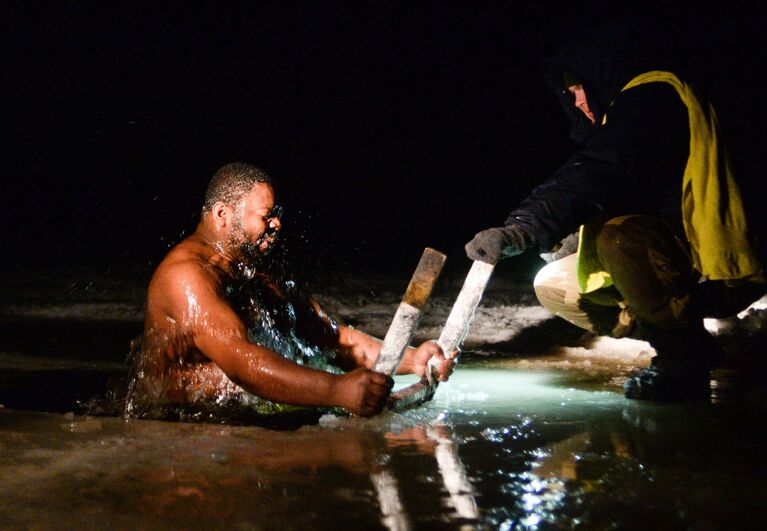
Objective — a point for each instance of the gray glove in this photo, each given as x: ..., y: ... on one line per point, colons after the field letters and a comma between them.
x: 492, y: 245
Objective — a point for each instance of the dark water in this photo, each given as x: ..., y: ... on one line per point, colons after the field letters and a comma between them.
x: 498, y: 448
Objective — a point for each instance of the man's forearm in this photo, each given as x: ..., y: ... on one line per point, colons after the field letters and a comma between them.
x: 357, y: 348
x: 362, y: 350
x: 407, y: 366
x: 270, y: 376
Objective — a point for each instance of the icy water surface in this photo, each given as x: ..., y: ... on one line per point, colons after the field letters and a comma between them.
x: 498, y: 448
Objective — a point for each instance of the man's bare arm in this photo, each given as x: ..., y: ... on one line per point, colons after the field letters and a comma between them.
x: 196, y: 304
x: 361, y: 350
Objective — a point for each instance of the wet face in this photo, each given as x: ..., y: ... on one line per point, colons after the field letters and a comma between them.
x: 255, y: 225
x: 580, y: 101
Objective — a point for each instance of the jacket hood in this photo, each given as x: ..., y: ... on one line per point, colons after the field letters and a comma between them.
x: 603, y: 60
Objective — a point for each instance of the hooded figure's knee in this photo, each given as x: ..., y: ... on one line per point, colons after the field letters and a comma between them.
x: 630, y: 238
x: 618, y: 236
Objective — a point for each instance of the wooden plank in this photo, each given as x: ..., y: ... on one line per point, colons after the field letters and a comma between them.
x: 405, y: 320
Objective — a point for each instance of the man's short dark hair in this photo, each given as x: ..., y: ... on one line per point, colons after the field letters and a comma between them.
x: 231, y: 182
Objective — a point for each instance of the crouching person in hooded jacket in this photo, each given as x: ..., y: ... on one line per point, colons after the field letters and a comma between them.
x: 650, y: 198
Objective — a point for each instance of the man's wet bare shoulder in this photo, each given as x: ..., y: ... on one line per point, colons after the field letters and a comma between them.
x: 190, y: 275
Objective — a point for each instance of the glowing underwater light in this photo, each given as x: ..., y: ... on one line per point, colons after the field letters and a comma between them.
x: 501, y: 385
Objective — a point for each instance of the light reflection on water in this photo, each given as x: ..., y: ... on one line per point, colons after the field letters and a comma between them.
x: 497, y: 448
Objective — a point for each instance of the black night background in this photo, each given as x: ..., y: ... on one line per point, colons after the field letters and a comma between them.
x: 390, y: 126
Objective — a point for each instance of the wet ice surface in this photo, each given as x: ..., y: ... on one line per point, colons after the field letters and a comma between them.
x: 531, y: 431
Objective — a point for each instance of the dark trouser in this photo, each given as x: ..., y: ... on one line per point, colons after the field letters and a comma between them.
x: 649, y: 261
x: 651, y: 268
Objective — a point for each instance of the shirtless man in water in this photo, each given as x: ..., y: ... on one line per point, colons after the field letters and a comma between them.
x: 197, y: 343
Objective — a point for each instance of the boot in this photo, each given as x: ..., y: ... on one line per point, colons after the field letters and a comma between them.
x: 663, y: 383
x: 681, y: 368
